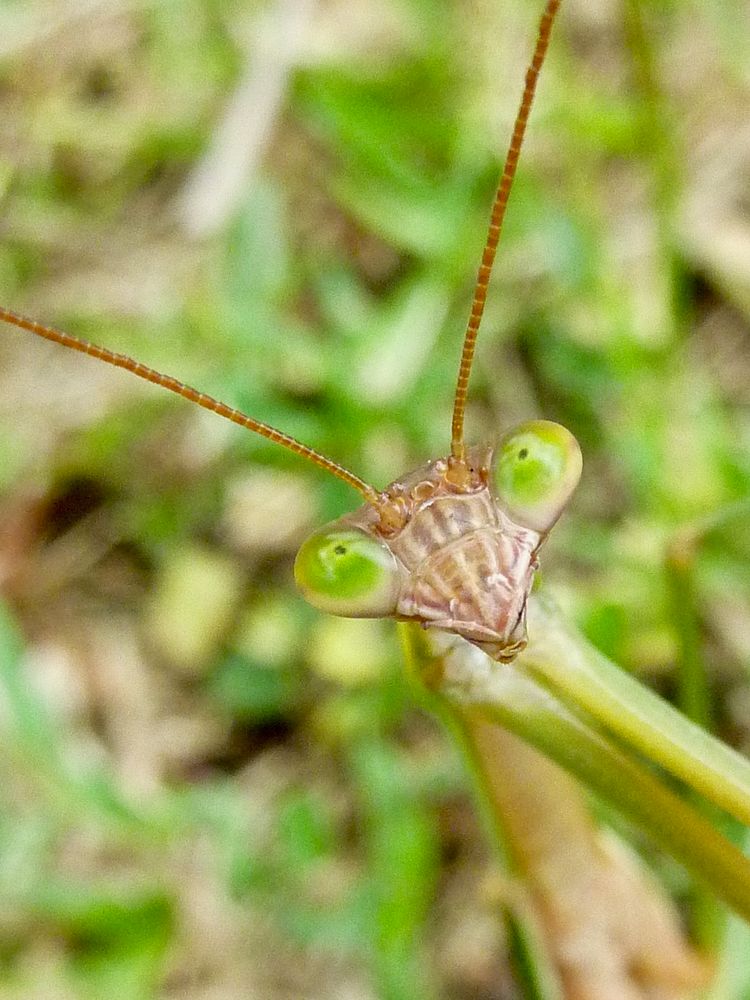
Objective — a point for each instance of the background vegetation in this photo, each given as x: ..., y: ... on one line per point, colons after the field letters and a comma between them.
x: 207, y: 790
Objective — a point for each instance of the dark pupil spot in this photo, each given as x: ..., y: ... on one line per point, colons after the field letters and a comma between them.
x: 340, y: 550
x: 523, y: 453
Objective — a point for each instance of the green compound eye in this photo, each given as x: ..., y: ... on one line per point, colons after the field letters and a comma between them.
x: 535, y: 469
x: 346, y: 572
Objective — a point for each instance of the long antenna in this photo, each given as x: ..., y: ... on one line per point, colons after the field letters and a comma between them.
x: 187, y: 392
x: 458, y: 448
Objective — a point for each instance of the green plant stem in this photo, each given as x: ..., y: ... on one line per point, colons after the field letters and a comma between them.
x: 463, y: 675
x: 660, y: 155
x: 693, y: 695
x: 563, y: 660
x: 680, y: 559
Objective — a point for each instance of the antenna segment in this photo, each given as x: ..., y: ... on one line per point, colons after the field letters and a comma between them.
x: 187, y: 392
x: 458, y: 449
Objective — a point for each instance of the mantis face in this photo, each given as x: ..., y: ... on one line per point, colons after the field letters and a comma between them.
x: 454, y: 555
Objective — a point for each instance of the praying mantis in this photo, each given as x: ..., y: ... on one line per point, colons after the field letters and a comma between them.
x: 453, y: 545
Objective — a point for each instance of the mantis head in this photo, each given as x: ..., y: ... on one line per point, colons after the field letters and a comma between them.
x: 456, y: 555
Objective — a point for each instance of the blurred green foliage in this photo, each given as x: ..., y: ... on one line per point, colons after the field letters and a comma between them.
x: 253, y: 805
